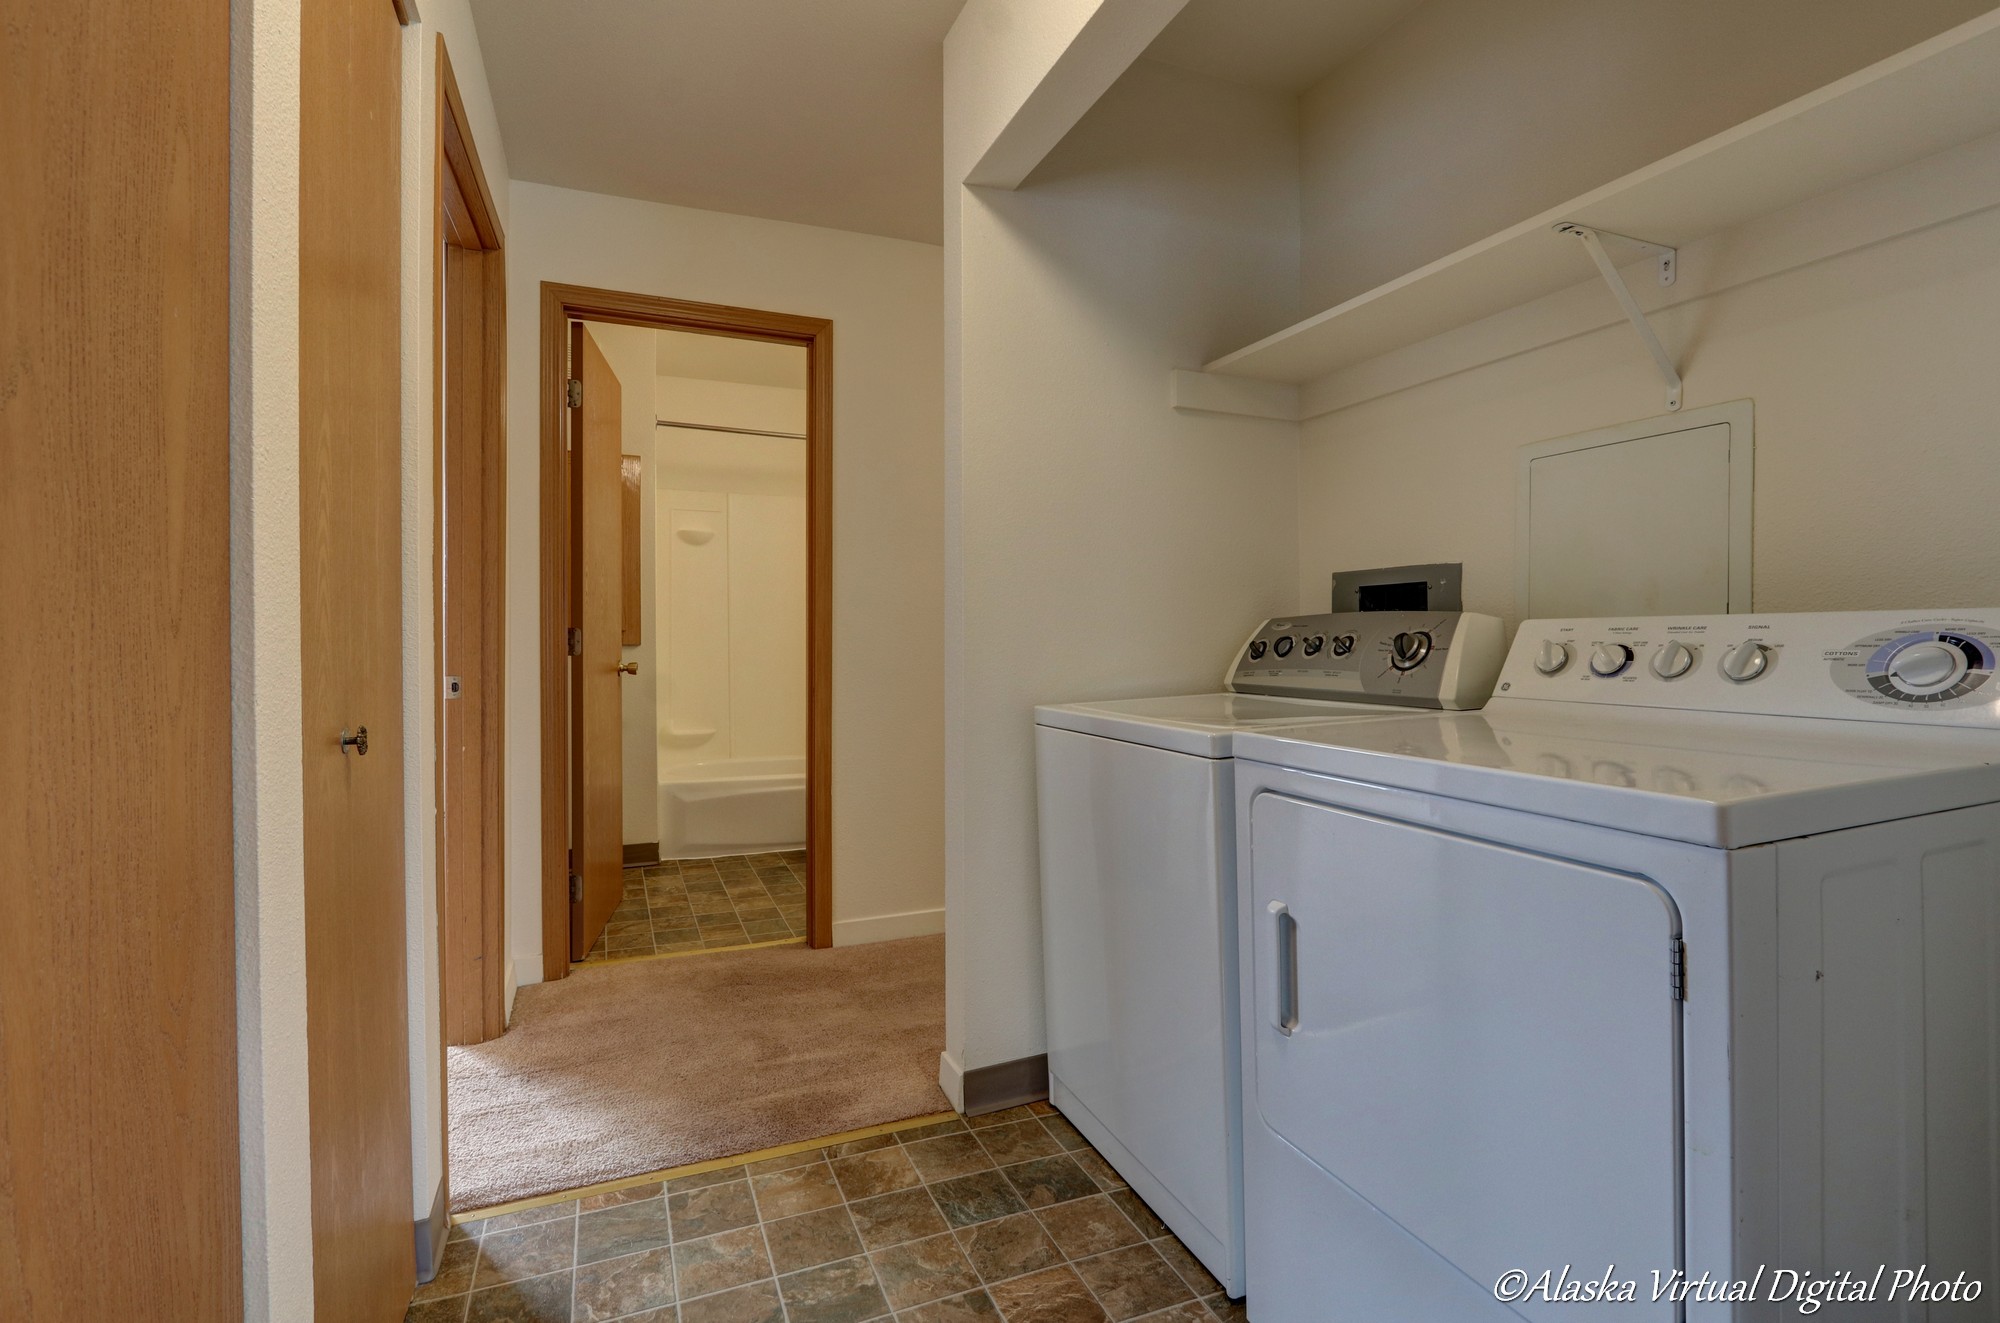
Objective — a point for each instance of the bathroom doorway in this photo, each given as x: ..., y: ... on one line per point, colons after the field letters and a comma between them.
x: 686, y: 565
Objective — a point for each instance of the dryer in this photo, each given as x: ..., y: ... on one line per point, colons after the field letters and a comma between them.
x: 1675, y: 964
x: 1137, y: 852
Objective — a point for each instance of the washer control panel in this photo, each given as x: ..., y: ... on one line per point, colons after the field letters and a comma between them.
x: 1924, y: 668
x: 1435, y: 659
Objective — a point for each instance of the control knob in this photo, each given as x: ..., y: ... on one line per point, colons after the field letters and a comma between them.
x: 1610, y: 659
x: 1408, y: 649
x: 1673, y: 660
x: 1343, y: 644
x: 1314, y: 644
x: 1283, y: 647
x: 1746, y: 661
x: 1552, y: 657
x: 1257, y: 650
x: 1927, y: 667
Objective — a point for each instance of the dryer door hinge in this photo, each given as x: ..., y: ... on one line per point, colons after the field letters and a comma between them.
x: 1677, y: 968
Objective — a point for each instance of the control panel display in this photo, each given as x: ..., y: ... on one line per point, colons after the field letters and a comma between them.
x: 1928, y: 667
x: 1434, y: 659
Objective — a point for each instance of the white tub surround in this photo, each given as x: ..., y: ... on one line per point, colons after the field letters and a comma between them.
x: 732, y: 806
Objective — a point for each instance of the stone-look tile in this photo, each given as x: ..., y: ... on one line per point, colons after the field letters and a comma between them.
x: 1188, y: 1311
x: 1148, y: 1222
x: 1095, y: 1167
x: 1084, y: 1227
x: 767, y: 928
x: 785, y: 1162
x: 810, y: 1239
x: 536, y: 1300
x: 465, y: 1231
x: 878, y: 1172
x: 717, y: 1263
x: 799, y: 1190
x: 454, y: 1274
x: 1227, y: 1310
x: 923, y: 1270
x: 619, y: 1287
x: 1018, y: 1142
x: 529, y: 1216
x: 1055, y: 1296
x: 705, y: 1178
x: 631, y: 1194
x: 449, y: 1310
x: 626, y: 1229
x: 979, y: 1197
x: 1065, y: 1134
x: 920, y: 1133
x: 1182, y: 1260
x: 1009, y: 1116
x: 973, y: 1307
x: 712, y: 1208
x: 949, y: 1155
x: 1009, y: 1247
x: 1047, y: 1181
x: 893, y: 1218
x: 1133, y: 1281
x: 843, y: 1292
x: 756, y: 1303
x: 509, y: 1256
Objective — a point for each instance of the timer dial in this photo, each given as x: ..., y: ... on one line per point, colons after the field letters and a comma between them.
x: 1609, y: 659
x: 1920, y: 668
x: 1408, y: 650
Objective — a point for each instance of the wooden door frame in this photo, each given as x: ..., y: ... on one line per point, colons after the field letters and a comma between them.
x: 468, y: 275
x: 562, y: 304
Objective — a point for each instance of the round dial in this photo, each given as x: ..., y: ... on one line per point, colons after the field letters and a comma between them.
x: 1673, y: 660
x: 1609, y: 659
x: 1314, y: 644
x: 1408, y: 650
x: 1920, y: 668
x: 1283, y: 647
x: 1257, y: 650
x: 1551, y: 657
x: 1343, y: 644
x: 1746, y: 661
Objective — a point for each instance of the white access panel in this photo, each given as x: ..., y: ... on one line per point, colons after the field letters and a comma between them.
x: 1139, y: 939
x: 1484, y: 1050
x: 1649, y: 518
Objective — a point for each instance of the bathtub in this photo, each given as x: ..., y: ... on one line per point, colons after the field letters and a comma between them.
x: 732, y: 806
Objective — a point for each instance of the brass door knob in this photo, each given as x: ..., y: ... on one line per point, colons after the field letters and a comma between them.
x: 628, y: 668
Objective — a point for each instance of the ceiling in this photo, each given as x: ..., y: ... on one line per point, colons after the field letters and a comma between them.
x: 726, y: 358
x: 1291, y: 45
x: 825, y: 112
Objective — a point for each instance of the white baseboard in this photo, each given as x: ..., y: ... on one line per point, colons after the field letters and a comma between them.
x: 951, y: 1078
x: 888, y: 927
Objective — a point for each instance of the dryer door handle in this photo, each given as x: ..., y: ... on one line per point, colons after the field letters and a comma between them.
x: 1288, y: 967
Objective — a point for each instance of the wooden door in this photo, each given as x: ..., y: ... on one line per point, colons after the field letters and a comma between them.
x: 118, y: 1141
x: 597, y: 768
x: 350, y: 607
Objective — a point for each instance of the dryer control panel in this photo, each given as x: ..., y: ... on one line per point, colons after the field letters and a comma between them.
x: 1433, y: 659
x: 1921, y: 668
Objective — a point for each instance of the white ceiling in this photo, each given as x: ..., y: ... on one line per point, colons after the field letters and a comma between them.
x: 826, y: 112
x: 1291, y: 45
x: 726, y: 358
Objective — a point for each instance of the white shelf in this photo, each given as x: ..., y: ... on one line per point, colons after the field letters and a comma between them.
x: 1927, y: 99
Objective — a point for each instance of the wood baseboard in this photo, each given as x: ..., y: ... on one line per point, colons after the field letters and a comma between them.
x: 646, y: 852
x: 1009, y: 1084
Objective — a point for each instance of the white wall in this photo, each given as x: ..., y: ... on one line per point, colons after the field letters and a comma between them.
x: 883, y: 297
x: 1102, y: 544
x: 265, y: 659
x: 1470, y: 116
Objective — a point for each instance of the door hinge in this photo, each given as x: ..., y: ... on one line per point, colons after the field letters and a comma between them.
x: 454, y: 687
x: 575, y: 393
x: 575, y: 888
x: 573, y: 640
x: 1677, y: 968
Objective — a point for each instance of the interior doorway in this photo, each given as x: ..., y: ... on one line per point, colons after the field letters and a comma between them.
x: 597, y: 818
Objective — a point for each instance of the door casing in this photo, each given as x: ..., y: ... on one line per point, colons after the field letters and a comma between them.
x: 560, y: 305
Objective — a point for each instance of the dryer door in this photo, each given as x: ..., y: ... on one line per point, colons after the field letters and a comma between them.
x: 1481, y: 1043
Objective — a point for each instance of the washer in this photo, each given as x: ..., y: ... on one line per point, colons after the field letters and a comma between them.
x: 1138, y: 891
x: 1680, y: 956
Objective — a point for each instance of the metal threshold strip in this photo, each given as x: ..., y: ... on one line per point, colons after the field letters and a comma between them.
x: 737, y: 431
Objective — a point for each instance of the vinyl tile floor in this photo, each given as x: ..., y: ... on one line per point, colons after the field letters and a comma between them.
x: 1007, y: 1218
x: 707, y: 905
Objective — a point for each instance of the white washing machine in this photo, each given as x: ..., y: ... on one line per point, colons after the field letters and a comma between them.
x: 1682, y: 956
x: 1137, y: 815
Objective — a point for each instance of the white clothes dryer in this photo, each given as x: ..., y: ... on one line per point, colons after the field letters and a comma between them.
x: 1675, y: 964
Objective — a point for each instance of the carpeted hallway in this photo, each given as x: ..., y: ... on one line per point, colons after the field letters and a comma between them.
x: 640, y: 1065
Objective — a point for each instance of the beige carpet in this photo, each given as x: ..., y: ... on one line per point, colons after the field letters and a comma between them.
x: 632, y: 1067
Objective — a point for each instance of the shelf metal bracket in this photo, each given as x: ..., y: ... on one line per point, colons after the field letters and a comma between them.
x: 1593, y: 243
